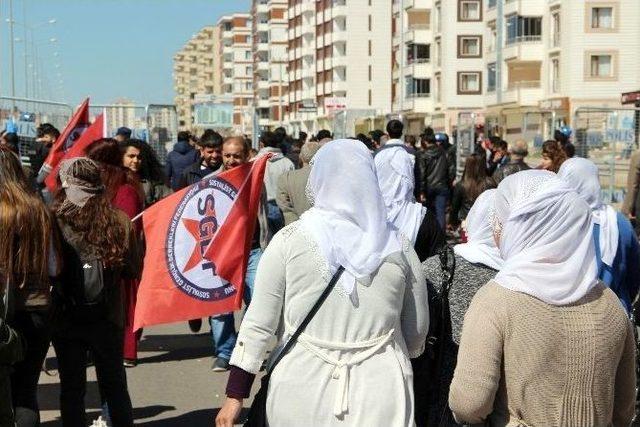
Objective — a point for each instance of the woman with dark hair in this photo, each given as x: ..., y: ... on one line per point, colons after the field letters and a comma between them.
x: 553, y: 156
x: 11, y: 140
x: 28, y: 258
x: 474, y: 181
x: 139, y: 158
x: 124, y: 191
x: 97, y: 235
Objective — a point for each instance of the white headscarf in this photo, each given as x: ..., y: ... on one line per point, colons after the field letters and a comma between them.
x: 582, y: 175
x: 348, y: 218
x: 481, y: 246
x: 545, y: 233
x: 395, y: 169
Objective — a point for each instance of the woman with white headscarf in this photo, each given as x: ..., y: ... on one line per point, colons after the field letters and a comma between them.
x: 396, y: 177
x: 350, y: 366
x: 617, y: 250
x: 544, y: 343
x: 477, y: 262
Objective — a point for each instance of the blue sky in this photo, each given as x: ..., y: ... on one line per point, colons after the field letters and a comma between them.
x: 107, y: 49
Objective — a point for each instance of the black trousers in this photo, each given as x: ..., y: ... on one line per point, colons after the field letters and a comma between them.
x: 35, y: 330
x: 105, y: 341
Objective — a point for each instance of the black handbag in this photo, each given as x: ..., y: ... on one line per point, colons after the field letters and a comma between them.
x: 257, y: 416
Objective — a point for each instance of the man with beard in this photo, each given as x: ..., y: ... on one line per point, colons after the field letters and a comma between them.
x: 209, y: 161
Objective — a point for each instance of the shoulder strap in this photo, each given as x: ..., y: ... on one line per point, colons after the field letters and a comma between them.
x: 448, y: 266
x: 307, y: 319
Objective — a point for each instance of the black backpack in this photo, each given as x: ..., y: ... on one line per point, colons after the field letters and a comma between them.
x: 81, y: 288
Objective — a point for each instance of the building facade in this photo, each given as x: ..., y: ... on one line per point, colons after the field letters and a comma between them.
x: 194, y: 73
x: 236, y: 68
x: 269, y: 61
x: 548, y: 59
x: 338, y: 68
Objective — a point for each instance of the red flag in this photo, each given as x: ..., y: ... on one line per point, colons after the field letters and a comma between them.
x: 74, y: 129
x: 198, y: 242
x: 93, y: 132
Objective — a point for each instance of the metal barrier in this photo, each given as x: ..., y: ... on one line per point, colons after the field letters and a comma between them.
x: 608, y: 136
x: 162, y: 128
x: 465, y: 136
x: 344, y: 122
x: 24, y: 115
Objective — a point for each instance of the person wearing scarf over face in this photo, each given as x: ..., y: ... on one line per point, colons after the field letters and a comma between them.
x: 617, y: 251
x: 477, y: 262
x: 351, y: 366
x: 544, y: 343
x: 96, y: 237
x: 395, y: 170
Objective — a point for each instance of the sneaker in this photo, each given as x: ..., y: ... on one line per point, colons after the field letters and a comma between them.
x: 195, y: 325
x: 220, y: 365
x: 130, y: 363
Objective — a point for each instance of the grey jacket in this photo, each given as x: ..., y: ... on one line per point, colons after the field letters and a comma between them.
x: 276, y: 166
x: 292, y: 197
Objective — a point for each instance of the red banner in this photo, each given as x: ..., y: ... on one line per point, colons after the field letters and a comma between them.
x: 198, y: 242
x: 93, y: 132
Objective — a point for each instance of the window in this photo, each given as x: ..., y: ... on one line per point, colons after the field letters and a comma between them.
x: 438, y: 18
x: 369, y: 22
x: 370, y: 48
x: 469, y: 46
x: 555, y: 29
x: 493, y: 37
x: 602, y: 18
x: 438, y: 89
x: 491, y: 77
x: 469, y: 83
x: 555, y: 75
x: 523, y: 29
x: 369, y: 97
x: 469, y: 10
x: 369, y: 76
x: 247, y: 54
x: 601, y: 66
x: 248, y: 71
x: 418, y: 53
x: 439, y: 52
x: 418, y: 88
x: 491, y: 4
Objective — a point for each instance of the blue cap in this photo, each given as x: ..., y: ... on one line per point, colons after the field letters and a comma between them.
x: 441, y: 136
x: 566, y: 131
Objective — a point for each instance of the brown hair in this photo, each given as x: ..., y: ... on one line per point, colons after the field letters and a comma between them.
x: 96, y: 224
x: 25, y: 227
x: 107, y: 153
x: 552, y: 150
x: 474, y: 178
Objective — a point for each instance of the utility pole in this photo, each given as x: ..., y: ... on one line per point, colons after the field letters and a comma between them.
x: 13, y: 68
x: 25, y: 44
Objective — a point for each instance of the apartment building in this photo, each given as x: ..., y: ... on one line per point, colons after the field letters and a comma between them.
x: 437, y: 62
x: 269, y: 60
x: 194, y: 73
x: 546, y: 59
x: 236, y: 67
x: 335, y: 63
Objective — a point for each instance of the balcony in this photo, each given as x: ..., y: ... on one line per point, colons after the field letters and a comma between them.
x: 262, y: 47
x: 418, y: 4
x: 523, y: 93
x: 339, y: 61
x: 418, y: 103
x: 525, y: 48
x: 339, y: 86
x: 339, y: 10
x: 263, y: 84
x: 308, y: 8
x: 419, y: 68
x: 420, y: 34
x: 524, y: 7
x: 339, y: 36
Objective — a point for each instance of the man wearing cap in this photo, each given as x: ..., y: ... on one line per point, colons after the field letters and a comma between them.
x: 123, y: 134
x: 563, y: 137
x: 517, y: 152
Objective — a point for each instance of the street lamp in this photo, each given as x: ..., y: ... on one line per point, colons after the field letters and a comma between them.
x: 27, y: 29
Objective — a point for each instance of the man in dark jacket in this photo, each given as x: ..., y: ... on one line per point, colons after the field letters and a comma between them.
x: 210, y: 160
x: 182, y: 156
x: 517, y: 152
x: 433, y: 177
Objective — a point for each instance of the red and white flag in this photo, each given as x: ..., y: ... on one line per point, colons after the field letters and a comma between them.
x: 198, y: 243
x: 75, y: 128
x: 95, y: 131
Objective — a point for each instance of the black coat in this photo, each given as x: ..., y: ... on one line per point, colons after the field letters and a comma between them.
x: 432, y: 170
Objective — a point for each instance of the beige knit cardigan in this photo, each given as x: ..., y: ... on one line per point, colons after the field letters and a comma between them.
x: 525, y: 362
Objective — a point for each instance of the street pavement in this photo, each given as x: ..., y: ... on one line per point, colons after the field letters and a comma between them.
x: 173, y: 384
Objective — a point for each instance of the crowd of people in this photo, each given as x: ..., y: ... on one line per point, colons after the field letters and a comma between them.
x: 526, y: 320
